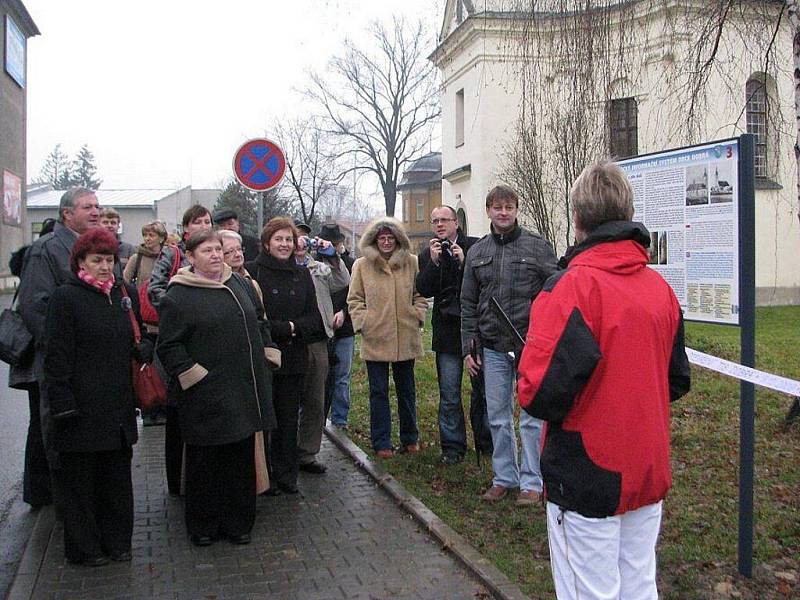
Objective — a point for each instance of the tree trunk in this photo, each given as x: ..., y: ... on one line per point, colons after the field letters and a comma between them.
x: 390, y: 196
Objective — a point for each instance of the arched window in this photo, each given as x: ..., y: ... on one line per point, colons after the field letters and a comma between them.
x: 462, y: 220
x: 756, y: 108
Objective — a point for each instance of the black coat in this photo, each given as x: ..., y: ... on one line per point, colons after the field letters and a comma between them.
x: 250, y: 247
x: 46, y: 267
x: 443, y: 283
x: 212, y: 326
x: 289, y: 295
x: 87, y: 365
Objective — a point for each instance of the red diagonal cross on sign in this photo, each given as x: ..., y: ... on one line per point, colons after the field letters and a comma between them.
x: 259, y: 163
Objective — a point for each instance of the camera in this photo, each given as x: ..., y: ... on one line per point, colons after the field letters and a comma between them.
x: 447, y: 250
x: 313, y: 245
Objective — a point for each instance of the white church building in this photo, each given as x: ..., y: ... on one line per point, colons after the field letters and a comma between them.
x: 482, y: 104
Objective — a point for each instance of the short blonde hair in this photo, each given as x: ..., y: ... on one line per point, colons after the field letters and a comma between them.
x: 601, y: 193
x: 109, y: 213
x: 156, y: 227
x: 227, y: 233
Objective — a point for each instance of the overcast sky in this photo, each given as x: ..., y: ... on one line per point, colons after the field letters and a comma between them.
x: 164, y: 92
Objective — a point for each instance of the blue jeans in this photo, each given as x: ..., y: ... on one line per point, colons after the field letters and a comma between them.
x: 452, y: 428
x: 340, y: 401
x: 499, y: 374
x: 380, y: 415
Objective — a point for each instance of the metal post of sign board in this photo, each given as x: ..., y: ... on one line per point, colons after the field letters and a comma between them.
x: 260, y: 210
x: 742, y: 285
x: 747, y: 323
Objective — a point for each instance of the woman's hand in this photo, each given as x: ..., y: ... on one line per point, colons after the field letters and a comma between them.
x: 338, y: 319
x: 143, y: 351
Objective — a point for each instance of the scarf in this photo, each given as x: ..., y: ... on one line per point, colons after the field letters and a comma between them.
x: 212, y: 277
x: 103, y: 286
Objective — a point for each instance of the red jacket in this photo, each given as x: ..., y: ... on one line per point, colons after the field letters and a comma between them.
x: 604, y: 357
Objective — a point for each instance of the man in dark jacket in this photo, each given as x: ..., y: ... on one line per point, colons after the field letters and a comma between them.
x: 509, y: 266
x: 227, y: 218
x: 441, y: 268
x: 46, y: 267
x: 604, y: 358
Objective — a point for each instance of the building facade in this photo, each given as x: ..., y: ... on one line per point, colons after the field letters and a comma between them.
x: 421, y: 192
x: 17, y: 26
x: 482, y: 63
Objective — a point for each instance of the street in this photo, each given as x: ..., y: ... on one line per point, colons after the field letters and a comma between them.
x: 16, y: 519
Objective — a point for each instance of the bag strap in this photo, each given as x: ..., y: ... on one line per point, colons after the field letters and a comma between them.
x: 177, y: 264
x: 137, y: 334
x: 137, y: 266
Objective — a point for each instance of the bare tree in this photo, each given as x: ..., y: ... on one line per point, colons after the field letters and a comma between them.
x: 310, y: 163
x: 572, y: 58
x: 340, y: 204
x: 381, y: 103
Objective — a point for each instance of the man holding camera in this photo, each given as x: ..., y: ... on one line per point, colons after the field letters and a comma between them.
x: 440, y: 272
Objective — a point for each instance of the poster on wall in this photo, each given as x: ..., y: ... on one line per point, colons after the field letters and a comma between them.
x: 688, y: 199
x: 12, y: 199
x: 15, y: 52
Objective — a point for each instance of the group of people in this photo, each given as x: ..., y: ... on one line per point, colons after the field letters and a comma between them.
x: 255, y: 338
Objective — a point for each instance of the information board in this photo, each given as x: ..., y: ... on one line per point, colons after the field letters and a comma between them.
x: 689, y: 200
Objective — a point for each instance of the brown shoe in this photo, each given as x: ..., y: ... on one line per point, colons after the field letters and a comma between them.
x: 494, y: 494
x: 385, y: 453
x: 410, y: 449
x: 528, y: 498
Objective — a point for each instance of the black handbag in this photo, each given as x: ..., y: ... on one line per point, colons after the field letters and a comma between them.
x: 16, y: 342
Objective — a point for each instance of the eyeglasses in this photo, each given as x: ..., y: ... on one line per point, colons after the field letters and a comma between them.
x: 232, y: 251
x: 437, y: 221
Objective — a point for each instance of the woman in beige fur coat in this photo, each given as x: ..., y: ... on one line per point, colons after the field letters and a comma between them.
x: 388, y: 313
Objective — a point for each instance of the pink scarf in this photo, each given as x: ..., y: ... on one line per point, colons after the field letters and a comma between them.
x: 103, y: 286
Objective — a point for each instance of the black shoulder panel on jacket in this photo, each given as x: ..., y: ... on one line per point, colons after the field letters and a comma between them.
x: 553, y: 280
x: 575, y: 356
x: 679, y: 370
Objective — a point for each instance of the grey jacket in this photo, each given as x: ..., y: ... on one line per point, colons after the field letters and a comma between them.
x: 512, y: 268
x: 162, y: 270
x: 46, y: 267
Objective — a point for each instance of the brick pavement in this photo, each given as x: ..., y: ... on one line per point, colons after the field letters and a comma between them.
x: 341, y: 537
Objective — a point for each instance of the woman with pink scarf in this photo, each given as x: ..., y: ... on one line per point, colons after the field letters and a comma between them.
x: 89, y: 401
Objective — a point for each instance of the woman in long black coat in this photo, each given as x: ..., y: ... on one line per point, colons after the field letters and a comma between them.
x: 92, y: 408
x: 291, y: 306
x: 211, y: 343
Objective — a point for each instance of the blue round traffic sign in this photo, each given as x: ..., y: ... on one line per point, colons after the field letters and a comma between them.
x: 259, y: 164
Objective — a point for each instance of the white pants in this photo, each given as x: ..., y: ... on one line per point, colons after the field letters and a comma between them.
x: 604, y: 559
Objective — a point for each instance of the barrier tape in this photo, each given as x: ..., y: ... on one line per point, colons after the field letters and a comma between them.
x: 732, y: 369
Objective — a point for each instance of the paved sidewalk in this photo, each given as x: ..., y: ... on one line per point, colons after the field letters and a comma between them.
x: 341, y: 537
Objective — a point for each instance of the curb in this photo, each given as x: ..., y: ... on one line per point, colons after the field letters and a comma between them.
x: 495, y: 581
x: 25, y: 578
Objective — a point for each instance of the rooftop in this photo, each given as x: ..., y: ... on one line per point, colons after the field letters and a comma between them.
x: 115, y: 198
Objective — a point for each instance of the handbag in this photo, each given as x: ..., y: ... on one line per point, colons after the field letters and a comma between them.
x: 146, y: 308
x: 16, y: 342
x: 147, y: 384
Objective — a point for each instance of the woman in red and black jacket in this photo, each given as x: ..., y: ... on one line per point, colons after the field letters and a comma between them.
x: 603, y: 359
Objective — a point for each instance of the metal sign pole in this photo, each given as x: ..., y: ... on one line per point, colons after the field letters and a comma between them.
x: 260, y: 210
x: 747, y: 322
